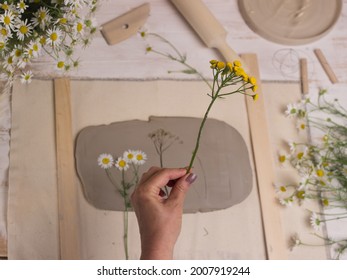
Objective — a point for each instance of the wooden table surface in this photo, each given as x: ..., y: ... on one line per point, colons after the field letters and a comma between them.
x: 128, y: 59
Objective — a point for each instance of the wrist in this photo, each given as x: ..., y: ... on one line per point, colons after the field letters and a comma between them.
x: 157, y: 252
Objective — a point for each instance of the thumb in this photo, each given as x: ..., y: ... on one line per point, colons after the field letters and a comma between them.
x: 179, y: 190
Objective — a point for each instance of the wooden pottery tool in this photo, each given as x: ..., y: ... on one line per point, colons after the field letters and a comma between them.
x: 326, y: 66
x: 212, y: 33
x: 214, y: 36
x: 126, y: 25
x: 303, y: 75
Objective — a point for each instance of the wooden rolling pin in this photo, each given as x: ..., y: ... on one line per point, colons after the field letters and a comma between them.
x: 207, y: 26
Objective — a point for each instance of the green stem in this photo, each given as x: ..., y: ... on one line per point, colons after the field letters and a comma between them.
x: 200, y: 131
x: 125, y: 217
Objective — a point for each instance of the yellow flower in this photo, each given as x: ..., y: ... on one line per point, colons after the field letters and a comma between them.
x: 252, y: 80
x: 255, y: 97
x: 230, y: 66
x: 220, y: 65
x: 237, y: 63
x: 254, y: 88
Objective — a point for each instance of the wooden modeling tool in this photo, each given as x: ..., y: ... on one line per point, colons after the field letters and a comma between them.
x: 214, y: 36
x: 126, y: 25
x: 327, y: 68
x: 303, y: 75
x: 207, y: 26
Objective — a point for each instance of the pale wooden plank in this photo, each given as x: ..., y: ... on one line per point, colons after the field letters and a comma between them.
x: 67, y: 191
x: 262, y: 152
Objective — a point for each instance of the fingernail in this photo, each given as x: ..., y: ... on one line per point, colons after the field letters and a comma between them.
x: 191, y: 178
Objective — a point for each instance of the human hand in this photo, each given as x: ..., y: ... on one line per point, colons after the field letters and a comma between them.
x: 160, y: 219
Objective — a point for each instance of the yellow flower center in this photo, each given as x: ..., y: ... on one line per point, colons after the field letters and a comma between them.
x: 2, y: 45
x: 7, y: 20
x: 302, y: 126
x: 282, y: 158
x: 35, y: 48
x: 283, y: 189
x: 4, y: 32
x: 18, y: 53
x: 54, y: 37
x: 130, y: 156
x: 42, y: 16
x: 325, y: 202
x: 320, y: 173
x: 23, y: 29
x: 63, y: 20
x: 4, y: 6
x: 21, y: 5
x: 300, y: 155
x: 43, y: 40
x: 122, y: 163
x: 139, y: 157
x: 79, y: 27
x: 300, y: 194
x: 10, y: 60
x: 105, y: 160
x: 60, y: 64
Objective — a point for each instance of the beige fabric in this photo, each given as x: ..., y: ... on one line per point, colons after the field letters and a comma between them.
x: 234, y: 233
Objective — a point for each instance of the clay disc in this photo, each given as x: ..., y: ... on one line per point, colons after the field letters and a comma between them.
x: 291, y: 22
x: 222, y: 165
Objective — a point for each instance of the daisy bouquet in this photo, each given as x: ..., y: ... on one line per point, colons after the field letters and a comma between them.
x: 321, y: 165
x: 30, y: 28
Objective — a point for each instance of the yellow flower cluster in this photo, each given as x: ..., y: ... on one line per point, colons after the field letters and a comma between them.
x: 235, y: 70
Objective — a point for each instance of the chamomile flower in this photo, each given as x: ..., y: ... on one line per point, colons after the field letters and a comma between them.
x: 281, y: 189
x: 54, y: 36
x: 292, y: 110
x: 5, y: 33
x: 105, y: 161
x: 26, y: 77
x: 295, y: 242
x: 140, y: 158
x: 7, y: 19
x: 23, y: 29
x: 315, y: 221
x: 121, y: 164
x: 60, y: 65
x: 301, y: 125
x: 129, y: 155
x: 33, y: 49
x: 283, y: 157
x: 288, y: 201
x: 21, y: 6
x: 42, y: 18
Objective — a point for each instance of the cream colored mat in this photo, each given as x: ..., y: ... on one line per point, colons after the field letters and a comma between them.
x: 234, y: 233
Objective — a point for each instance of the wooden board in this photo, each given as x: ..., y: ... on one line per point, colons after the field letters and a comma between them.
x: 67, y: 191
x: 262, y: 152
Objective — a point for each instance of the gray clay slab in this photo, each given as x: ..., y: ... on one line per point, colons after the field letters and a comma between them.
x: 222, y: 165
